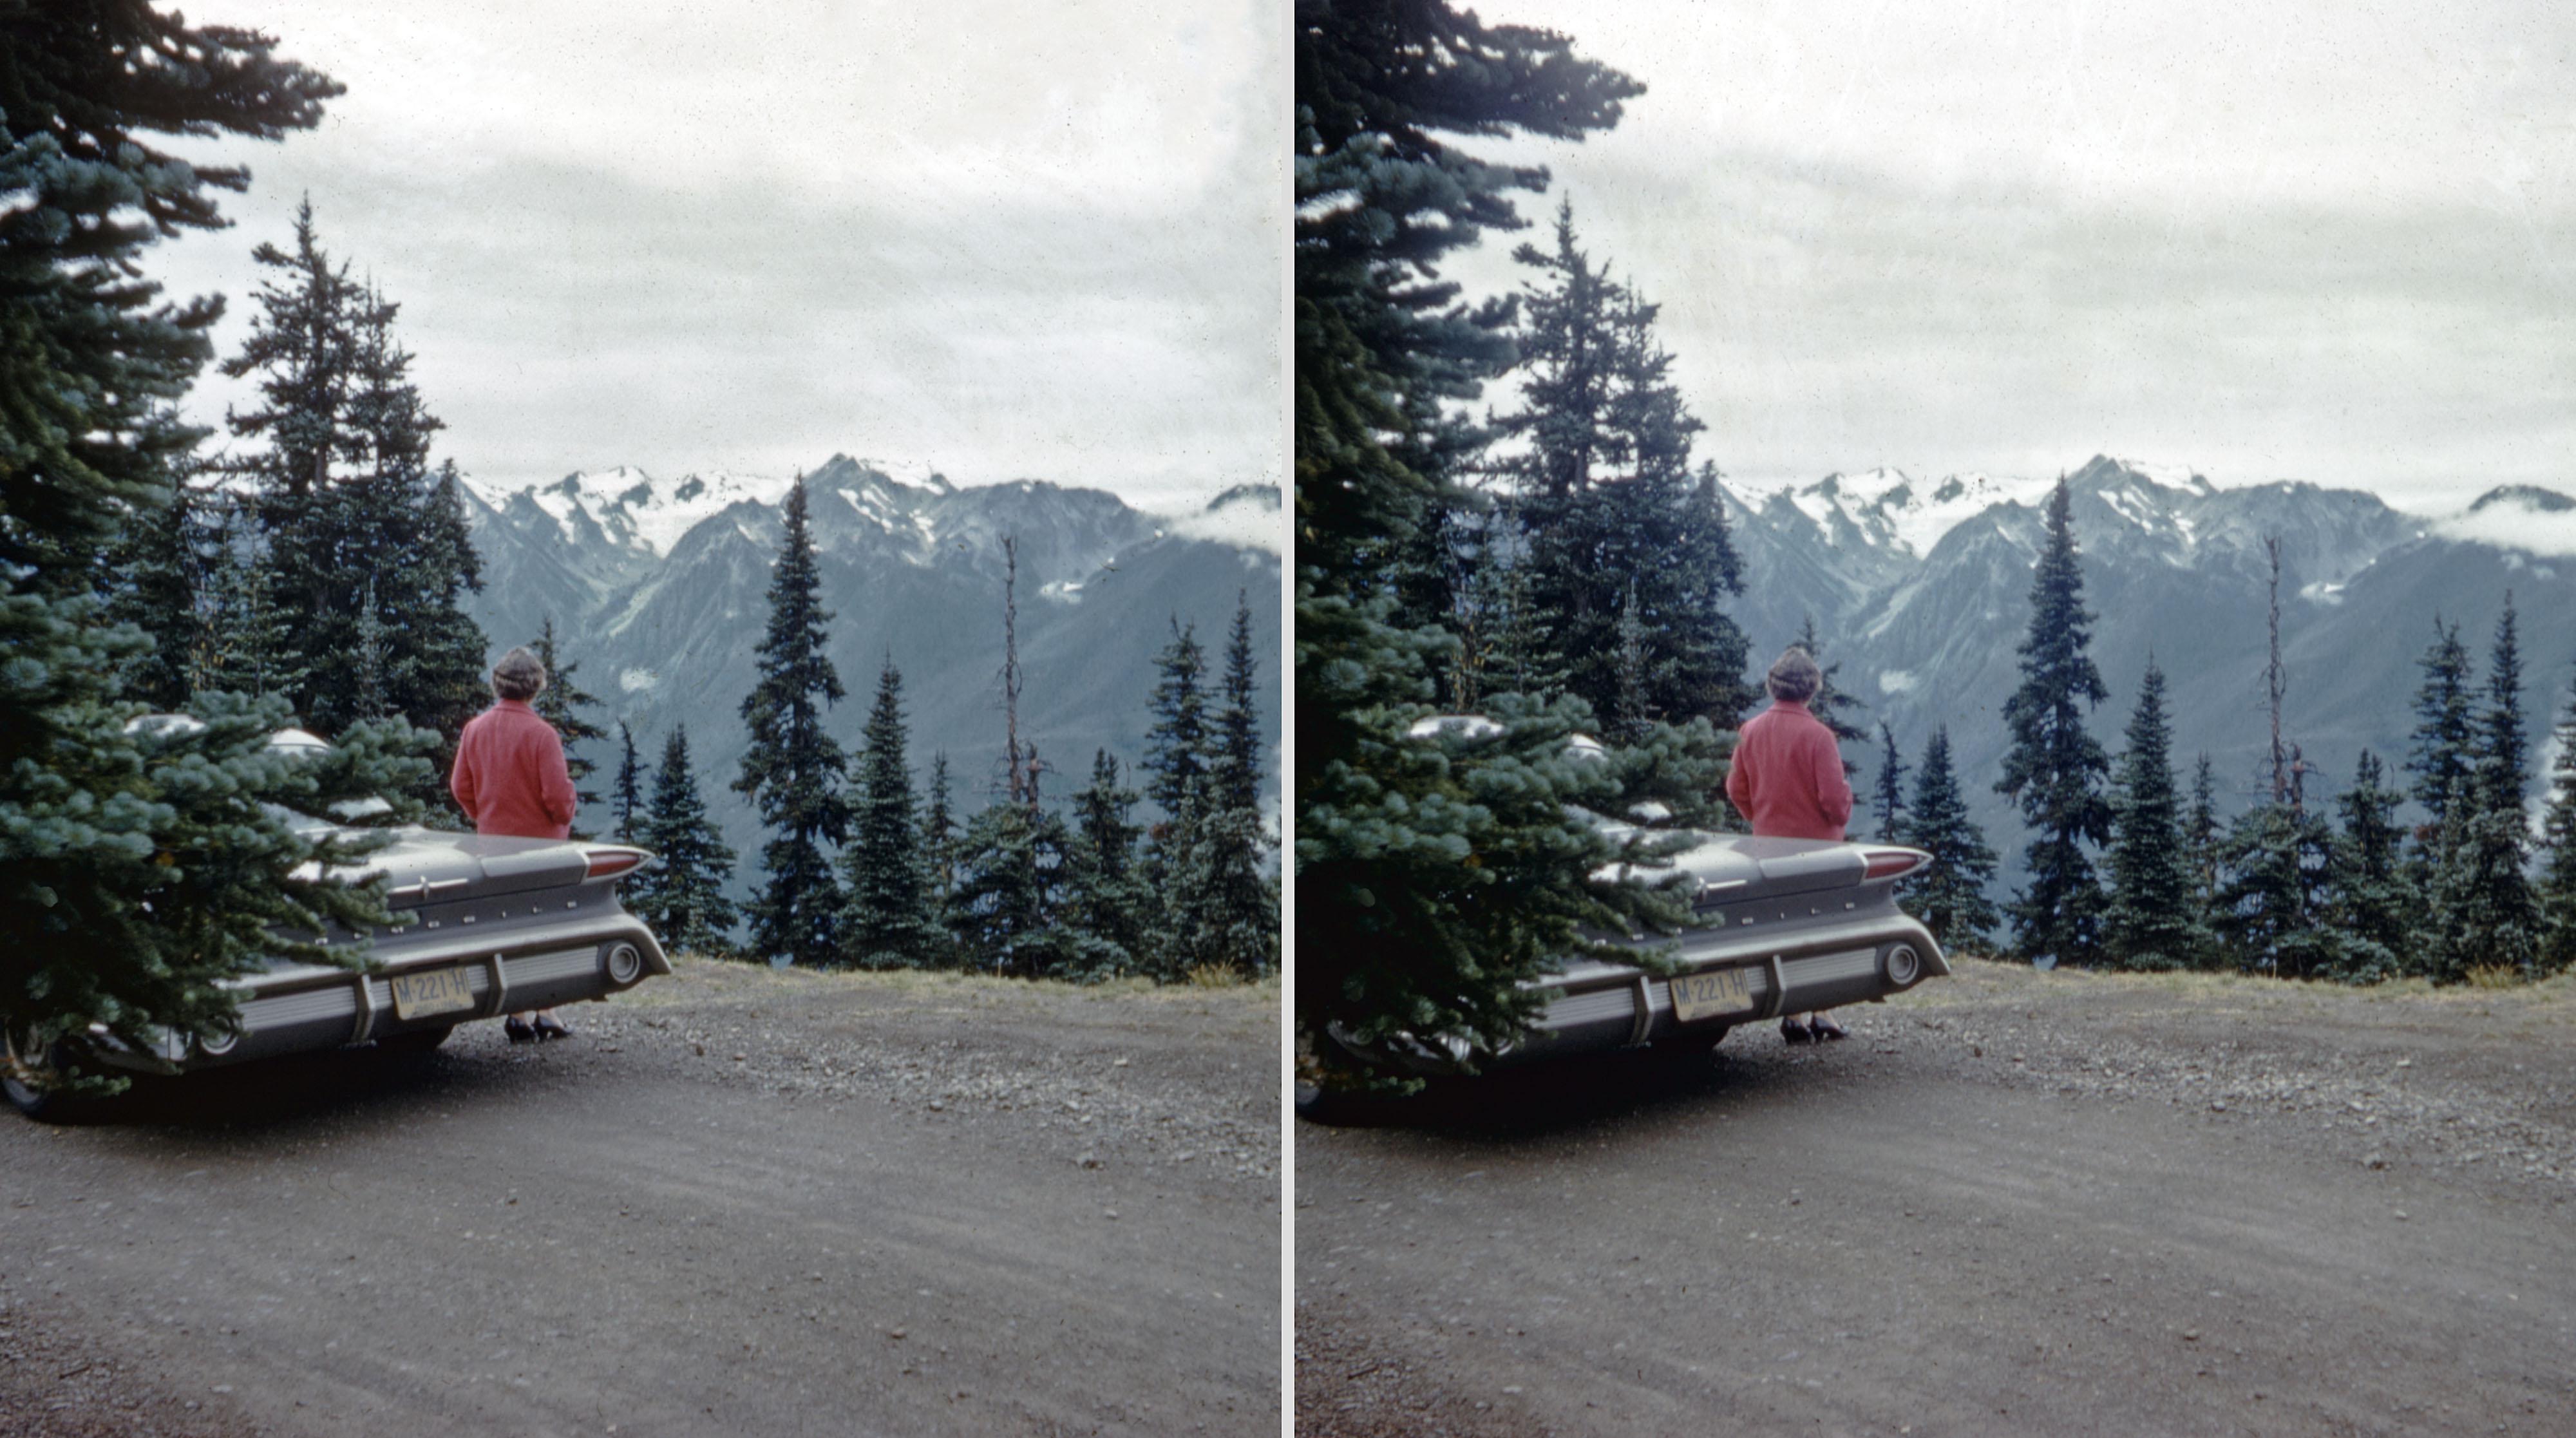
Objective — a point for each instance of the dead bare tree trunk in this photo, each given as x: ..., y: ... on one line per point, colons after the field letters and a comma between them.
x: 2274, y: 680
x: 1015, y: 775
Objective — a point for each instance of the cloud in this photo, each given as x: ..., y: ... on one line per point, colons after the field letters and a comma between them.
x: 2008, y: 239
x: 1007, y: 240
x: 2510, y: 526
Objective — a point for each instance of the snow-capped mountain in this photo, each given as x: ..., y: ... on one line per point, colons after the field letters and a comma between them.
x: 1920, y: 593
x: 657, y: 586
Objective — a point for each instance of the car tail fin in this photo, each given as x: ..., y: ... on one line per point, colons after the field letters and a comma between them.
x: 609, y: 863
x: 1893, y: 863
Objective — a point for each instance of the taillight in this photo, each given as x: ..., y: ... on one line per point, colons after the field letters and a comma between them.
x: 609, y: 863
x: 1888, y: 863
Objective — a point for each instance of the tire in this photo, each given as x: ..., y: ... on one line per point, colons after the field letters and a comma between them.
x: 39, y: 1101
x: 415, y: 1041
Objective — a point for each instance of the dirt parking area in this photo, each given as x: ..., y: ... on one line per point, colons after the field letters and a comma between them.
x: 2011, y: 1202
x: 737, y: 1201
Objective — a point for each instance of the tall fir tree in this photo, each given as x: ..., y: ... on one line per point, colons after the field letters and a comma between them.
x: 1234, y: 745
x: 2373, y: 903
x: 1890, y: 786
x: 2502, y: 756
x: 2484, y: 914
x: 682, y: 893
x: 2055, y: 768
x: 1433, y: 875
x: 1221, y: 914
x: 1011, y: 872
x: 2272, y: 892
x: 560, y: 704
x: 1176, y: 747
x: 626, y: 796
x: 2443, y: 752
x: 1950, y: 895
x: 2150, y: 920
x: 794, y: 771
x: 1630, y: 553
x: 939, y: 835
x: 2556, y: 891
x: 336, y: 466
x: 139, y: 867
x: 888, y: 922
x: 1107, y: 896
x: 1832, y: 704
x: 2201, y: 834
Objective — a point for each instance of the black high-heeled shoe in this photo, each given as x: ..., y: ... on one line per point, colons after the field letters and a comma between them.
x: 1793, y: 1031
x: 550, y: 1027
x: 1824, y: 1029
x: 518, y: 1030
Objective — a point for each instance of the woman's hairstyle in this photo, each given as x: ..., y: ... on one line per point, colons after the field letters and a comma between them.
x: 518, y: 676
x: 1794, y: 677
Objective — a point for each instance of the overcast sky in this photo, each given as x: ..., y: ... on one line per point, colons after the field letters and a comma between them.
x: 2311, y: 241
x: 1009, y: 240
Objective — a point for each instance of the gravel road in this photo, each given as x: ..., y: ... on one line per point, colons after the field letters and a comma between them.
x: 738, y: 1201
x: 2011, y: 1203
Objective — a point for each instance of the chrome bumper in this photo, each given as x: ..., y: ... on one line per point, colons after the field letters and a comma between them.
x: 303, y: 1007
x: 1612, y: 1006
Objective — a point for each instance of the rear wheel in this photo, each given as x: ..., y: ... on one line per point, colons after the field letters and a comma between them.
x: 31, y: 1074
x: 415, y: 1041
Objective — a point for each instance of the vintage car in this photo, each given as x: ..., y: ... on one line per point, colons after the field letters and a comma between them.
x: 489, y: 926
x: 1785, y: 926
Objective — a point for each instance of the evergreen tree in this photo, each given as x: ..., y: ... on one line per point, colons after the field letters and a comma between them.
x: 1830, y: 703
x: 2479, y: 906
x: 888, y: 922
x: 2374, y: 906
x: 2556, y: 892
x: 371, y: 658
x: 138, y: 866
x: 1107, y: 895
x: 158, y: 577
x: 1891, y: 787
x: 1630, y: 552
x: 681, y: 894
x: 560, y: 703
x: 2443, y: 752
x: 2271, y: 897
x: 2054, y: 770
x: 1949, y: 896
x: 794, y: 771
x: 939, y: 835
x: 2200, y: 837
x: 2149, y: 922
x: 1176, y: 747
x: 342, y: 497
x: 627, y: 796
x: 1434, y: 874
x: 2503, y: 751
x: 1221, y: 913
x: 1234, y: 752
x: 1011, y: 868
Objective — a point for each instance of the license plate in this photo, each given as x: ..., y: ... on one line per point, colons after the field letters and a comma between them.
x: 1719, y: 991
x: 437, y: 991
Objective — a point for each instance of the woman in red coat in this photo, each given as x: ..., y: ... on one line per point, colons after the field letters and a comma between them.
x: 510, y: 778
x: 1787, y: 778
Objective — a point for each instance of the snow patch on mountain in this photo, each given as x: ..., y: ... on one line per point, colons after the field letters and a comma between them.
x: 635, y: 510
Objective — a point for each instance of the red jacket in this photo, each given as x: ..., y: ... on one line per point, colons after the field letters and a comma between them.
x: 1788, y: 775
x: 510, y: 774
